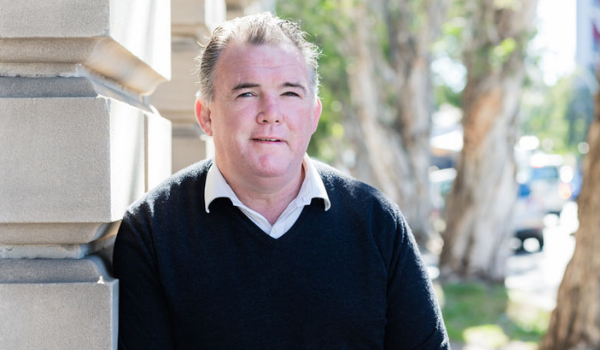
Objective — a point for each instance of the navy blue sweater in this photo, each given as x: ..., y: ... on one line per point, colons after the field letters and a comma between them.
x: 347, y: 278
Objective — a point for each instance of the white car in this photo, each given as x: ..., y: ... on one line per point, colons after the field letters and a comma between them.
x: 546, y: 183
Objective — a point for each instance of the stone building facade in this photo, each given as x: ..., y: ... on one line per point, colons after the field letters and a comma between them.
x: 96, y: 107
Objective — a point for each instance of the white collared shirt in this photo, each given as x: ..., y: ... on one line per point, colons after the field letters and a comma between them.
x: 312, y: 187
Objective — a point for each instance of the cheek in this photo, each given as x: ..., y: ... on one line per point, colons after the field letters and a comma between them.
x: 230, y: 132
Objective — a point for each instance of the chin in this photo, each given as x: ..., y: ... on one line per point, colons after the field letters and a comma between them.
x: 269, y: 170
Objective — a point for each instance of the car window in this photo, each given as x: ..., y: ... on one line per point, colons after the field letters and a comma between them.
x: 545, y: 173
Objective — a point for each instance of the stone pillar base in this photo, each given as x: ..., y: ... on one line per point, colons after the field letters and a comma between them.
x: 49, y: 299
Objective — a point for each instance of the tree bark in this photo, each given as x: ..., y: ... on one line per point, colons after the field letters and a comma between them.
x: 479, y: 207
x: 575, y: 322
x: 392, y: 101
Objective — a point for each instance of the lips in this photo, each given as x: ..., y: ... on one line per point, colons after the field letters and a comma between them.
x: 265, y: 139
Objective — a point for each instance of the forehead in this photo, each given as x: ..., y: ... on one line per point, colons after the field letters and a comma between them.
x: 241, y: 61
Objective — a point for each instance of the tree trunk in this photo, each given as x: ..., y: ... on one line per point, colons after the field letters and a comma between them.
x: 479, y: 208
x: 575, y: 322
x: 392, y: 102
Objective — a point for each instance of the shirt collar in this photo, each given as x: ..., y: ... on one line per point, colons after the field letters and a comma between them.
x: 312, y: 186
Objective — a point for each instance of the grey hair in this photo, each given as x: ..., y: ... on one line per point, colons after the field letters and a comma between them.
x: 258, y: 29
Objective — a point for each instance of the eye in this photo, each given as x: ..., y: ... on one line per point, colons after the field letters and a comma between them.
x: 246, y: 94
x: 290, y: 93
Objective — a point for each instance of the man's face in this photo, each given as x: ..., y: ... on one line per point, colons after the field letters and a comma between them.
x: 263, y: 112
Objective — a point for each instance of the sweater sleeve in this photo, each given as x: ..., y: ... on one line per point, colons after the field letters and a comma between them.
x: 414, y: 319
x: 143, y: 311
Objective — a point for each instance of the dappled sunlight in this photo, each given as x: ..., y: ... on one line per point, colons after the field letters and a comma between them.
x: 488, y: 336
x: 502, y: 319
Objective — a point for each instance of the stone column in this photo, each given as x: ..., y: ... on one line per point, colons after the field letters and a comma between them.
x: 79, y: 142
x: 191, y: 23
x: 238, y: 8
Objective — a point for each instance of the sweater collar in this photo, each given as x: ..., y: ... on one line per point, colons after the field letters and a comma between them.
x: 312, y: 186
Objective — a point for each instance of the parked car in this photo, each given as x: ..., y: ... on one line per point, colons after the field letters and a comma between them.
x: 546, y: 183
x: 529, y: 217
x: 529, y: 210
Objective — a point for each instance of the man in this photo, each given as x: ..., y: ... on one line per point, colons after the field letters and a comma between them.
x: 261, y: 247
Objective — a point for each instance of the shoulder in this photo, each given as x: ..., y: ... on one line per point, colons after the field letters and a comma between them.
x: 366, y: 211
x: 175, y: 190
x: 349, y: 191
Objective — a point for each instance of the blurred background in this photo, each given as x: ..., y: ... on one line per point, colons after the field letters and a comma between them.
x: 473, y: 115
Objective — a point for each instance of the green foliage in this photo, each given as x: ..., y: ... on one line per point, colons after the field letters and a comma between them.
x: 501, y: 53
x: 444, y: 94
x: 480, y: 312
x: 507, y: 4
x: 558, y: 115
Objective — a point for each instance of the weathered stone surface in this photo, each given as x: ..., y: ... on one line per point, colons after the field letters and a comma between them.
x: 73, y: 56
x: 57, y: 304
x: 72, y: 164
x: 55, y: 241
x: 46, y: 87
x: 179, y: 94
x: 78, y: 143
x: 193, y: 17
x: 188, y: 12
x: 54, y: 18
x: 189, y: 146
x: 125, y: 41
x: 192, y: 22
x: 51, y: 233
x: 238, y: 8
x: 158, y: 150
x: 69, y: 159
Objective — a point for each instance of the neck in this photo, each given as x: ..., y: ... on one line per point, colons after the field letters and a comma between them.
x: 270, y: 199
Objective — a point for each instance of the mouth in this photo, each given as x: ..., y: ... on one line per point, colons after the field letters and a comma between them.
x: 260, y: 139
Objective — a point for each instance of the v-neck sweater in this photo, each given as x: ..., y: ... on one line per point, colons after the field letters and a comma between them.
x: 347, y: 278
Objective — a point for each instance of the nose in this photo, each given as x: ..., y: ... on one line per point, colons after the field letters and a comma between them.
x: 268, y: 112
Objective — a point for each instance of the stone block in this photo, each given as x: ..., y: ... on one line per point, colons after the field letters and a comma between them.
x: 179, y: 94
x: 70, y: 165
x: 63, y: 234
x: 238, y: 8
x: 125, y: 41
x: 188, y: 12
x: 198, y: 13
x: 54, y: 241
x: 57, y: 304
x: 158, y: 149
x: 189, y: 146
x: 54, y: 18
x: 69, y: 159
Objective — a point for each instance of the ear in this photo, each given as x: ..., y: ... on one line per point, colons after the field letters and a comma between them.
x: 317, y: 113
x: 203, y: 116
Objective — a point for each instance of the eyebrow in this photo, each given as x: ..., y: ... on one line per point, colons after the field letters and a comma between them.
x: 242, y: 86
x: 295, y: 85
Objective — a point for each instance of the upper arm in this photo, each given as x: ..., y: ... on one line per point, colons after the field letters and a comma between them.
x: 143, y: 309
x: 414, y: 320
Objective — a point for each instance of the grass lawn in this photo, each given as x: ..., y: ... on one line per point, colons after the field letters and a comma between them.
x: 490, y: 316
